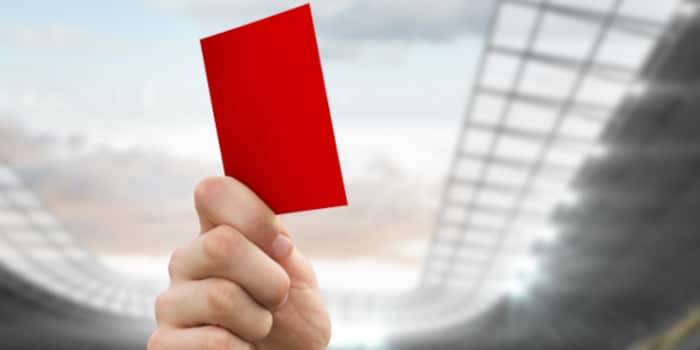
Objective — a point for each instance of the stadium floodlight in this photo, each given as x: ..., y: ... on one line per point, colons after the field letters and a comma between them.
x: 524, y: 275
x: 532, y: 100
x: 517, y: 287
x: 538, y: 110
x: 526, y: 265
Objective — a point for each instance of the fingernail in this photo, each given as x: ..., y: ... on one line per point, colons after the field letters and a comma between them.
x: 281, y: 247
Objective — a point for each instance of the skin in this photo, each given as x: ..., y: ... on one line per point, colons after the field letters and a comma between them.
x: 240, y: 284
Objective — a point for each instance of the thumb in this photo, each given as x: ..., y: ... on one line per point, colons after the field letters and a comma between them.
x: 226, y: 201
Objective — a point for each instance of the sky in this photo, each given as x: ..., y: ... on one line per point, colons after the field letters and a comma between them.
x: 130, y: 74
x: 105, y: 115
x: 104, y: 110
x: 125, y: 81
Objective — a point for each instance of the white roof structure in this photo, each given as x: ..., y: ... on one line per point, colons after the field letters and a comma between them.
x: 552, y: 76
x: 35, y: 247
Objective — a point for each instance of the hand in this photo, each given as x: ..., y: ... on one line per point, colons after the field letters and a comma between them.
x: 241, y: 284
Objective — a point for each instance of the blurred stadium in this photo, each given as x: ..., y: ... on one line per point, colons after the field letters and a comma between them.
x: 568, y: 219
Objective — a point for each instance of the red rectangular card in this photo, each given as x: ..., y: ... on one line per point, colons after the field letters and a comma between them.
x: 271, y: 111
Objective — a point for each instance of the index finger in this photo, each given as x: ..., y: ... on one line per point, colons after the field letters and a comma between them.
x: 226, y: 201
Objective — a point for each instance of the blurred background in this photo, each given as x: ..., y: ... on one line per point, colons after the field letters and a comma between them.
x: 522, y: 174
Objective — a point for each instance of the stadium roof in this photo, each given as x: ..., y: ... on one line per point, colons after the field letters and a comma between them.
x: 566, y: 94
x: 52, y: 266
x: 554, y: 78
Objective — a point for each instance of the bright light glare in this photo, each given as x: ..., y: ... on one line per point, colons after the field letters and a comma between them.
x: 366, y: 275
x: 368, y: 335
x: 525, y: 272
x: 516, y: 288
x: 525, y: 266
x: 546, y: 235
x: 144, y: 268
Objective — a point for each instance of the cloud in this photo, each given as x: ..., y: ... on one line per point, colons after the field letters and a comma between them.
x: 357, y: 20
x: 405, y: 20
x: 53, y: 36
x: 140, y: 202
x: 348, y: 28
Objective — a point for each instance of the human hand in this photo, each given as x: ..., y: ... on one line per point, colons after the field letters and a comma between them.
x: 241, y: 284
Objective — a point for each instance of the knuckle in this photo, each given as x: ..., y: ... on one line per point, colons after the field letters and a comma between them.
x: 174, y: 261
x: 207, y: 188
x: 263, y: 327
x: 278, y: 291
x: 222, y: 297
x: 162, y: 303
x: 218, y: 339
x: 221, y: 243
x: 154, y: 341
x: 261, y: 219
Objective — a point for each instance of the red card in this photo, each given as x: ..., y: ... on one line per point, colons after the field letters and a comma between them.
x: 271, y: 111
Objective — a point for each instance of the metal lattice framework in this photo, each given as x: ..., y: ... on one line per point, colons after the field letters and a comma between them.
x: 54, y: 269
x: 538, y: 107
x: 539, y: 103
x: 552, y: 76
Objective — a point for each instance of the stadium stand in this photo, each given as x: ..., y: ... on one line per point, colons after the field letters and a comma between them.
x: 568, y: 218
